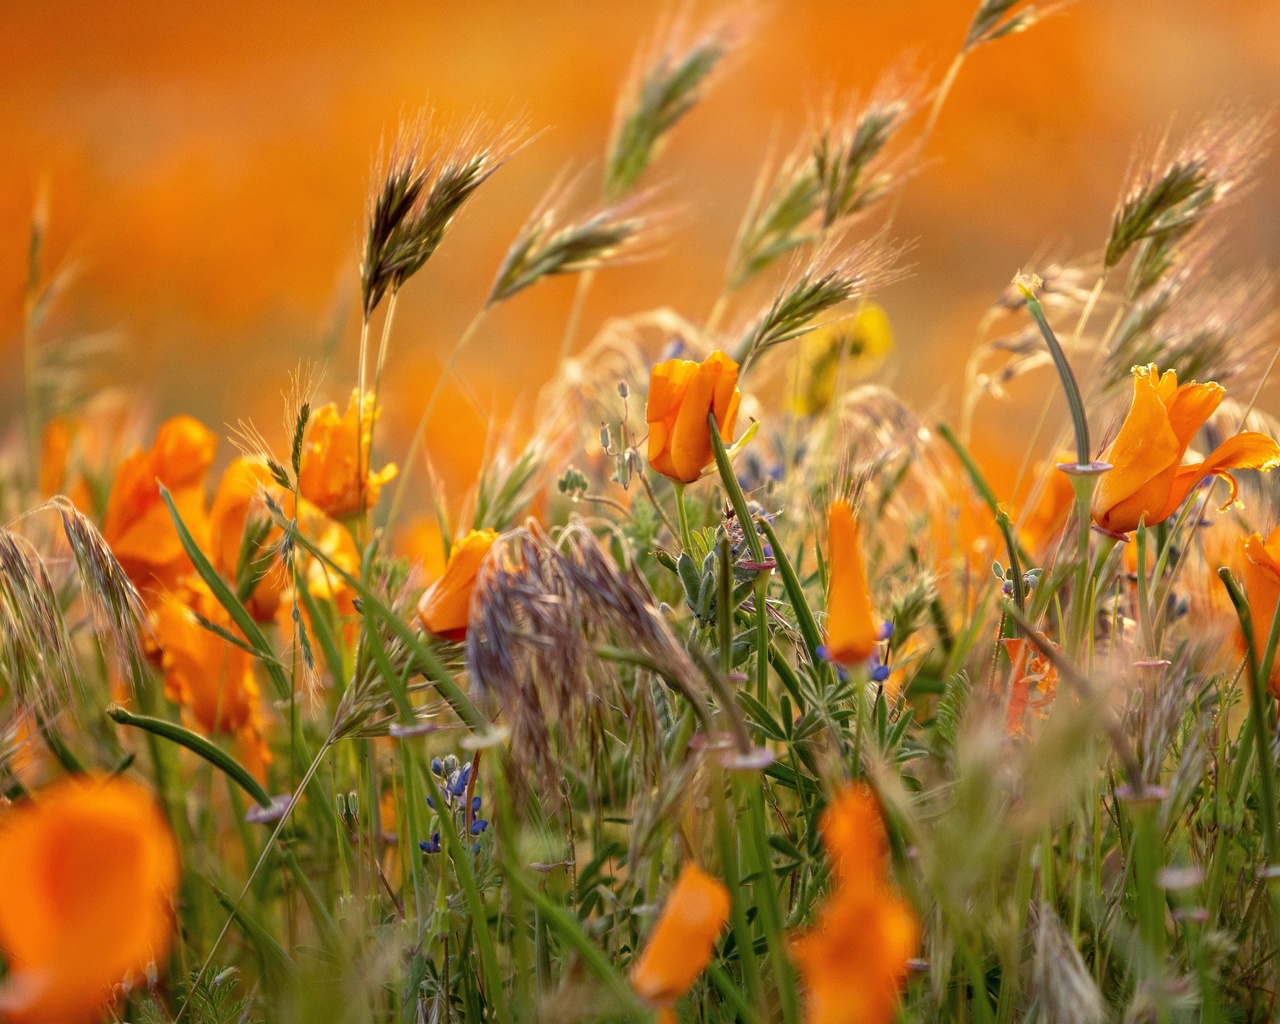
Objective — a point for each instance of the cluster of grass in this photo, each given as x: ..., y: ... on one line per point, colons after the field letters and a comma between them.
x: 1072, y: 749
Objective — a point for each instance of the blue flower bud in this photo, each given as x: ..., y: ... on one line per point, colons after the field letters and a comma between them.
x: 478, y: 826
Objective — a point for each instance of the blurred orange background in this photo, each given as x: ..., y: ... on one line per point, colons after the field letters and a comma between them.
x: 207, y: 168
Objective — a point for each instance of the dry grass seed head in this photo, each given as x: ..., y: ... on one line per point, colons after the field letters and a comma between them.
x: 36, y: 657
x: 1064, y: 988
x: 114, y: 605
x: 826, y: 281
x: 538, y: 611
x: 554, y: 241
x: 849, y: 144
x: 667, y: 79
x: 1170, y: 195
x: 419, y: 188
x: 990, y: 22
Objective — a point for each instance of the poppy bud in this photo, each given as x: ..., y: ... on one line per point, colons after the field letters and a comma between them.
x: 852, y: 631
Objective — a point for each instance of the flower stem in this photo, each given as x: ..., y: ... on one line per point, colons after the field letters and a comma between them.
x: 686, y: 536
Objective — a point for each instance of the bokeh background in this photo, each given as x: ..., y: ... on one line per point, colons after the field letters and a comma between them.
x: 206, y: 166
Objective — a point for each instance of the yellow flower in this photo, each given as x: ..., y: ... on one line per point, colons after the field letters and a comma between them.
x: 137, y: 526
x: 683, y: 940
x: 209, y: 678
x: 841, y: 352
x: 682, y: 394
x: 852, y: 632
x: 327, y: 475
x: 1262, y: 582
x: 854, y: 960
x: 445, y: 608
x: 1148, y: 481
x: 90, y: 870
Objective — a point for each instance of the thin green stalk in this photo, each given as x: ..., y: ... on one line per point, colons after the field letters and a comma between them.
x: 762, y: 638
x: 1147, y: 859
x: 581, y: 288
x: 686, y: 535
x: 1258, y: 712
x: 1067, y: 377
x: 744, y: 939
x: 766, y: 900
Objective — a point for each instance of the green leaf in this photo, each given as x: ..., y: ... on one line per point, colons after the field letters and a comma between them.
x: 198, y: 745
x: 227, y: 598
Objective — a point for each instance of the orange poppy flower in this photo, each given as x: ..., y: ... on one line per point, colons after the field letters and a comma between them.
x: 445, y: 608
x: 854, y: 960
x: 327, y: 475
x: 1262, y: 582
x: 1147, y: 480
x: 137, y: 526
x: 1044, y: 519
x: 683, y: 941
x: 681, y: 395
x: 239, y: 493
x: 852, y: 632
x: 90, y: 869
x: 210, y: 678
x: 1031, y: 669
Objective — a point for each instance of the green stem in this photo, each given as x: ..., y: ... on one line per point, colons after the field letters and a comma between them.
x: 1066, y: 375
x: 686, y: 536
x: 198, y: 745
x: 726, y: 836
x: 1258, y: 713
x: 766, y: 900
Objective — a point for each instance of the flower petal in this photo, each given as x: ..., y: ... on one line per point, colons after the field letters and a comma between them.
x: 1248, y: 450
x: 1191, y: 408
x: 851, y: 628
x: 1145, y: 452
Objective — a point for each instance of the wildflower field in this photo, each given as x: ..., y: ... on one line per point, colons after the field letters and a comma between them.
x: 734, y: 689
